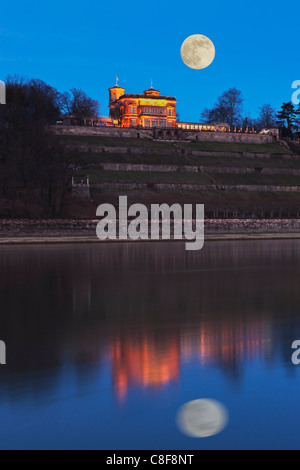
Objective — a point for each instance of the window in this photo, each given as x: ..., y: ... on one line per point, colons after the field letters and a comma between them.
x: 133, y: 122
x: 154, y: 123
x: 147, y: 123
x: 146, y: 110
x: 169, y: 124
x: 132, y: 110
x: 162, y: 123
x: 170, y: 112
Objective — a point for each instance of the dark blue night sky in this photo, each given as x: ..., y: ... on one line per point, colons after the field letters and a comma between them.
x: 85, y: 45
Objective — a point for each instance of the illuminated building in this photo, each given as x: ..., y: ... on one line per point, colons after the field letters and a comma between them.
x: 144, y: 362
x: 148, y: 110
x: 196, y: 126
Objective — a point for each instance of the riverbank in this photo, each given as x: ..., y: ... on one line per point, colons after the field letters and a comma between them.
x: 84, y: 231
x: 82, y: 239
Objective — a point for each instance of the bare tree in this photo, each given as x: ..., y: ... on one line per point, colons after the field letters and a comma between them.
x: 33, y: 164
x: 29, y: 101
x: 266, y: 117
x: 117, y: 112
x: 228, y: 108
x: 78, y: 103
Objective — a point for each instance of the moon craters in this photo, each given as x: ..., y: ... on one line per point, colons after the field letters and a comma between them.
x: 197, y: 51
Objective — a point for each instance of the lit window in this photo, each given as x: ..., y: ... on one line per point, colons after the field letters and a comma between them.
x: 147, y: 123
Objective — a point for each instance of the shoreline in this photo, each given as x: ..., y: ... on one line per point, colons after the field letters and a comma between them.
x: 67, y: 231
x: 80, y: 239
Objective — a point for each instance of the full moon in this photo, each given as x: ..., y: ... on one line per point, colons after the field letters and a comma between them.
x: 202, y: 418
x: 197, y: 51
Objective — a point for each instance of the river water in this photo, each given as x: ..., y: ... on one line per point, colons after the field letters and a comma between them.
x: 105, y: 342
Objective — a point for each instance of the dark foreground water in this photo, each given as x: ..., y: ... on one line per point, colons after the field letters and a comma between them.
x: 106, y: 342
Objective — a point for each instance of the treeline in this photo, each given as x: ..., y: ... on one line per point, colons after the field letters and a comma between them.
x: 229, y: 109
x: 33, y: 165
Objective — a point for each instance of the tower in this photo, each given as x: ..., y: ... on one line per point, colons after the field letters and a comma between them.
x: 151, y: 92
x: 115, y: 93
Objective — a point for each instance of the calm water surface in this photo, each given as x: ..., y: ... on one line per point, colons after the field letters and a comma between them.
x: 106, y: 342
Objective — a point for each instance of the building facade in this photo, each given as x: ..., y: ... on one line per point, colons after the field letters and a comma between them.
x: 196, y: 126
x: 148, y: 110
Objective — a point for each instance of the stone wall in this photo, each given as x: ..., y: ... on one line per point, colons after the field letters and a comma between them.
x: 81, y: 192
x: 241, y: 170
x: 176, y: 152
x: 102, y: 131
x: 163, y: 134
x: 141, y: 167
x: 193, y: 187
x: 251, y: 226
x: 73, y: 228
x: 193, y: 169
x: 230, y: 137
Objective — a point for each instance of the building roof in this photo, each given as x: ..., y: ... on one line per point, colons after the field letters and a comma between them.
x: 151, y: 89
x: 169, y: 98
x: 116, y: 86
x: 196, y: 123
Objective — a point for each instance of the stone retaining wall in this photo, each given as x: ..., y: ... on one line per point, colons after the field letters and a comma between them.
x: 193, y: 169
x: 163, y: 134
x: 144, y: 168
x: 15, y: 228
x: 176, y: 152
x: 81, y: 192
x: 193, y: 187
x: 239, y: 170
x: 102, y: 131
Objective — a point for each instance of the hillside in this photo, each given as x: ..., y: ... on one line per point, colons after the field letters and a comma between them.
x: 231, y: 179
